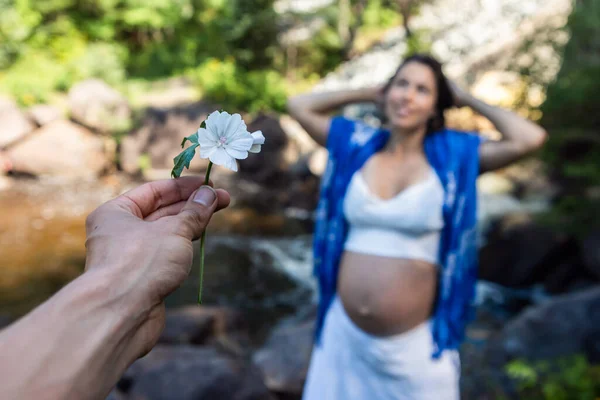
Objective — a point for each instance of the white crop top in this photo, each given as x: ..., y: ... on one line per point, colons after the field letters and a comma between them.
x: 406, y: 226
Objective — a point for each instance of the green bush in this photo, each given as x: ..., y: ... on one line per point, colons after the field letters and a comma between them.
x: 321, y: 54
x: 571, y: 118
x: 571, y: 378
x: 32, y: 78
x: 234, y: 88
x: 379, y: 15
x: 116, y: 39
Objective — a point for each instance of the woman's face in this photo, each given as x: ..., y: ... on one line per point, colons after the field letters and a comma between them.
x: 411, y: 98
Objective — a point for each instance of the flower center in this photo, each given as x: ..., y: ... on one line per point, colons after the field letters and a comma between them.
x: 222, y: 141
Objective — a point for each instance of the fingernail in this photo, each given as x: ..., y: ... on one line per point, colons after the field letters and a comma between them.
x: 205, y: 196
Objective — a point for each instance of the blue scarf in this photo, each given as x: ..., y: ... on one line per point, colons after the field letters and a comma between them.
x: 454, y: 157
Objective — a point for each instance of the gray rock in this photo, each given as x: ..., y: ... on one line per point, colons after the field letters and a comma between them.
x: 60, y: 148
x: 199, y: 324
x: 43, y: 114
x: 514, y: 250
x: 562, y: 326
x: 14, y: 124
x: 591, y: 253
x: 285, y: 357
x: 190, y: 373
x: 96, y: 105
x: 470, y: 37
x: 269, y: 167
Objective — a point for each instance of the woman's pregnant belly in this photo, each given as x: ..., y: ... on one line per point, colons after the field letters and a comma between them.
x: 385, y: 295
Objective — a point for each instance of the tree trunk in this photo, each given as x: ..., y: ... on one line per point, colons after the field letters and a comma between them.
x: 405, y: 19
x: 344, y: 20
x: 357, y: 10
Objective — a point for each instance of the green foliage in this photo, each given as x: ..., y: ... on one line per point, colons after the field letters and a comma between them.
x: 193, y: 139
x: 232, y: 87
x: 378, y: 14
x: 570, y: 115
x: 253, y: 33
x: 571, y: 101
x: 182, y: 160
x: 321, y: 54
x: 571, y: 378
x: 323, y: 51
x: 230, y: 46
x: 32, y: 78
x: 418, y: 42
x: 48, y: 45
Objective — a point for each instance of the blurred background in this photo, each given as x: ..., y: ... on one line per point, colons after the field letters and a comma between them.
x: 96, y: 96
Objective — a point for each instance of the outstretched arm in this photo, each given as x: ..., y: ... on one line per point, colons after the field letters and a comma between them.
x: 520, y: 136
x: 312, y: 110
x: 139, y: 249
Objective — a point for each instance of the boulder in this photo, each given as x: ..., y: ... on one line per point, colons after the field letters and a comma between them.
x: 591, y: 253
x: 513, y: 252
x: 191, y: 373
x: 199, y: 324
x: 158, y: 140
x: 43, y: 114
x: 270, y: 167
x: 14, y: 124
x: 285, y: 357
x: 98, y: 106
x: 60, y: 148
x: 562, y: 326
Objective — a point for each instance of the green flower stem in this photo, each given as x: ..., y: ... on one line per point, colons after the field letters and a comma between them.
x: 202, y: 239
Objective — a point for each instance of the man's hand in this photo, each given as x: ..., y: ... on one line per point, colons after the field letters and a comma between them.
x: 143, y: 240
x: 78, y: 343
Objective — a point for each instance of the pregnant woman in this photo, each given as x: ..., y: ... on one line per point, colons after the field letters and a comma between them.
x: 395, y: 252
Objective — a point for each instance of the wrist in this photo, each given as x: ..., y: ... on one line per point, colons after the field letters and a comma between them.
x: 469, y: 100
x: 370, y: 94
x: 75, y: 345
x: 104, y: 321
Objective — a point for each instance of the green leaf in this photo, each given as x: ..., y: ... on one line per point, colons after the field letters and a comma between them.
x: 183, y: 160
x: 192, y: 138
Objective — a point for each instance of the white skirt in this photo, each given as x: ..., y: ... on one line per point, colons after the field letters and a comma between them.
x: 351, y: 364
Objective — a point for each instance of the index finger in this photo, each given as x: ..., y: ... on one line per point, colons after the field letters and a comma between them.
x: 149, y: 197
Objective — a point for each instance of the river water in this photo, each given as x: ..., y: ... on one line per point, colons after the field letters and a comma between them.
x: 260, y: 264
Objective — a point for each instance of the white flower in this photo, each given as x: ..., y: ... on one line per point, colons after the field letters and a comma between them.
x: 225, y: 139
x: 257, y: 140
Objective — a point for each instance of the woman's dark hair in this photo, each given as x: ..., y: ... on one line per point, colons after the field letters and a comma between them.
x: 445, y: 100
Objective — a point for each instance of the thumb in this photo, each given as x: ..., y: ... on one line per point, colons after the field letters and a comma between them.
x: 195, y: 215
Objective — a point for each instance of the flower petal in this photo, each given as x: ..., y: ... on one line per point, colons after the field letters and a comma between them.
x: 212, y: 125
x: 239, y: 154
x: 220, y: 157
x: 217, y: 122
x: 257, y: 140
x: 258, y: 137
x: 240, y: 133
x: 234, y: 125
x: 241, y: 143
x: 207, y: 151
x: 206, y: 138
x: 233, y: 165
